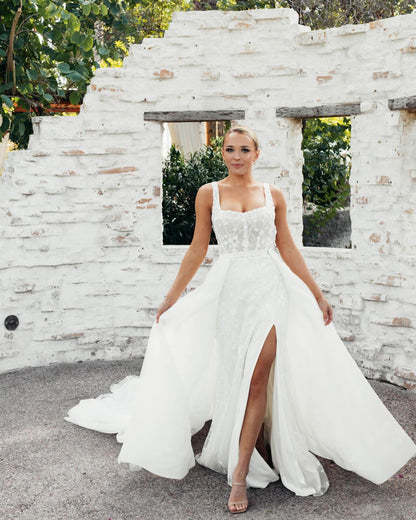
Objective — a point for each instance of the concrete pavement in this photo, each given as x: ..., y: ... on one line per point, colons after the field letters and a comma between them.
x: 51, y: 469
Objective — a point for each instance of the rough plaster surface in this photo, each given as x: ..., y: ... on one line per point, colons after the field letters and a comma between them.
x: 82, y: 262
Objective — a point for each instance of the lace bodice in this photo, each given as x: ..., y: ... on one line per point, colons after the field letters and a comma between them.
x: 249, y: 231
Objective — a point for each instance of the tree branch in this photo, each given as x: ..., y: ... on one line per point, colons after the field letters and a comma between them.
x: 10, y: 61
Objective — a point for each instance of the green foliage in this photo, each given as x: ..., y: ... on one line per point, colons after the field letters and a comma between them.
x: 151, y: 18
x: 241, y: 5
x: 204, y: 5
x: 182, y: 177
x: 326, y: 168
x: 58, y: 45
x: 320, y: 14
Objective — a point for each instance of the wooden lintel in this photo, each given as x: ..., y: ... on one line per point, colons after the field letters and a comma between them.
x: 335, y: 110
x: 403, y: 103
x: 195, y: 116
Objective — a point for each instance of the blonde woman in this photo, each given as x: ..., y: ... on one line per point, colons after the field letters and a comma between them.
x: 253, y: 348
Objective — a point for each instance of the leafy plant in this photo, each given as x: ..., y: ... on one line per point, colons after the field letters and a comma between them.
x: 49, y: 50
x: 182, y: 177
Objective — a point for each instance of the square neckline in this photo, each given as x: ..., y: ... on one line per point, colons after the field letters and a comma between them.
x: 241, y: 212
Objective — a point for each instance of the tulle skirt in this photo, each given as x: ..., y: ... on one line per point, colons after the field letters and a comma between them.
x: 198, y: 366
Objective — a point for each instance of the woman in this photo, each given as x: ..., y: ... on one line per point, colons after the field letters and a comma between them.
x: 253, y: 349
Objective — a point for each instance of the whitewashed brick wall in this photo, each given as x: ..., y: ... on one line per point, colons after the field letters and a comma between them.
x: 82, y: 262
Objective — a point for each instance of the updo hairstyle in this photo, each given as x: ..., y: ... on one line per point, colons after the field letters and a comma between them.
x: 245, y: 130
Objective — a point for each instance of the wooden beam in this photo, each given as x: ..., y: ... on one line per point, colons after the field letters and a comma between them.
x: 195, y: 116
x: 338, y: 109
x: 403, y: 103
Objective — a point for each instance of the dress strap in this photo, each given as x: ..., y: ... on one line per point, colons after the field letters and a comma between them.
x: 215, y: 195
x: 269, y: 199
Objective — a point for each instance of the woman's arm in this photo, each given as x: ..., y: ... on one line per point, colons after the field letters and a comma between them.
x: 196, y: 252
x: 292, y: 256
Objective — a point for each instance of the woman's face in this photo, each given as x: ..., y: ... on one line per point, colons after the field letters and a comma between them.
x: 239, y: 153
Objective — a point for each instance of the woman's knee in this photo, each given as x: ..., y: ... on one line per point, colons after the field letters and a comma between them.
x: 258, y: 388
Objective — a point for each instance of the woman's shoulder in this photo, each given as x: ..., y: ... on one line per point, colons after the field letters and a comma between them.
x: 205, y: 191
x: 205, y: 188
x: 277, y: 196
x: 276, y: 192
x: 204, y: 195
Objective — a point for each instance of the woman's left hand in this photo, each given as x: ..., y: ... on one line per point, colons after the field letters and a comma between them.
x: 326, y: 309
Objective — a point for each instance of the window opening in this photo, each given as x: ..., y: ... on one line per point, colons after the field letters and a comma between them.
x: 326, y: 187
x: 191, y: 157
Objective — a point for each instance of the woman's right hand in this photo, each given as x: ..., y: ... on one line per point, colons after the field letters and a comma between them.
x: 164, y: 306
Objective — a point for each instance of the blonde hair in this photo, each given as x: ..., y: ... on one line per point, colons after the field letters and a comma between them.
x: 245, y: 130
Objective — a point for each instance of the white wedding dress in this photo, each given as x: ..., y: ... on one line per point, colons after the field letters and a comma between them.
x: 200, y: 359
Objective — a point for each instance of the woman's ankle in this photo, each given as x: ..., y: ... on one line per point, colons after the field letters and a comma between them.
x: 240, y: 474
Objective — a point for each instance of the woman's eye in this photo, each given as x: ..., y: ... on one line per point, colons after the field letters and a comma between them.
x: 245, y: 150
x: 229, y: 150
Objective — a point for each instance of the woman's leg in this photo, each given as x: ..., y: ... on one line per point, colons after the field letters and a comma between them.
x: 253, y: 420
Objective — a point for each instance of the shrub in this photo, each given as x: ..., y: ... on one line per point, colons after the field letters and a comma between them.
x: 182, y: 177
x: 326, y: 171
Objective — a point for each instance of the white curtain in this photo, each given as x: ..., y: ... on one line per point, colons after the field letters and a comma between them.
x: 189, y: 137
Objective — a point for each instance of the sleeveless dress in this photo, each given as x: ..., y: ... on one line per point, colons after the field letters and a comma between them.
x: 200, y: 359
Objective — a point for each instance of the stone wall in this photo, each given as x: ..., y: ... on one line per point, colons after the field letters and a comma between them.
x: 82, y: 262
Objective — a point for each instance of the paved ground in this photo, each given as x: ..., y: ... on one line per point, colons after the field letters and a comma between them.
x: 51, y: 469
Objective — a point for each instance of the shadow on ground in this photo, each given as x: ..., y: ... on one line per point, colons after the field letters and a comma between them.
x: 51, y: 469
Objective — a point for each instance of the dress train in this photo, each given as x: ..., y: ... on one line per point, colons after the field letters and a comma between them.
x: 321, y: 403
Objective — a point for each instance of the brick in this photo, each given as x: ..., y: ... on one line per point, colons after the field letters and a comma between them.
x: 389, y: 280
x: 383, y: 74
x: 410, y: 47
x: 350, y: 301
x: 323, y: 79
x: 312, y: 38
x: 121, y: 169
x: 376, y: 297
x: 164, y: 74
x: 375, y: 237
x: 23, y: 287
x: 361, y: 200
x: 73, y: 152
x: 376, y: 25
x: 347, y: 30
x: 401, y: 322
x: 384, y: 180
x: 210, y: 76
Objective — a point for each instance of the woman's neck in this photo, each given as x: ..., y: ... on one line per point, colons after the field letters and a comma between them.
x: 240, y: 180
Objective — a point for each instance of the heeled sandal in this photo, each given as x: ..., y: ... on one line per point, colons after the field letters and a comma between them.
x: 243, y: 503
